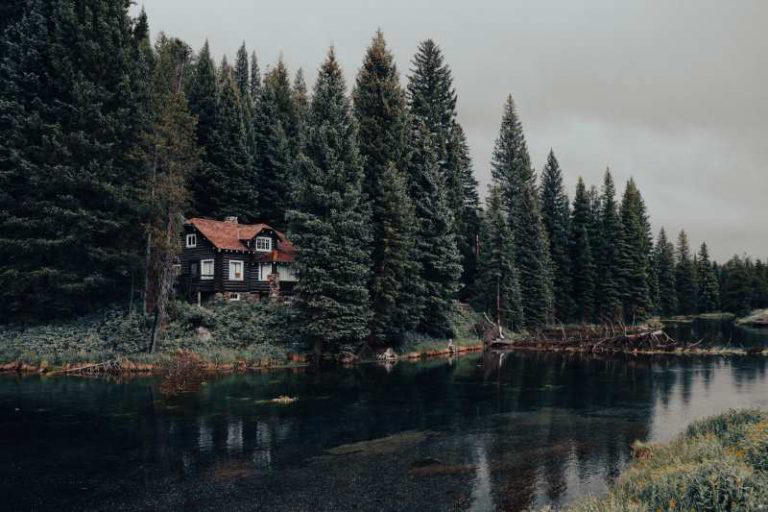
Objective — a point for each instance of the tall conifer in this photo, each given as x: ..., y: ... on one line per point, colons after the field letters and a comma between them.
x: 331, y: 222
x: 582, y: 261
x: 685, y: 277
x: 556, y: 215
x: 709, y: 290
x: 499, y: 290
x: 379, y: 105
x: 432, y: 103
x: 611, y: 242
x: 436, y: 250
x: 74, y: 99
x: 635, y: 256
x: 664, y: 258
x: 277, y: 136
x: 512, y: 173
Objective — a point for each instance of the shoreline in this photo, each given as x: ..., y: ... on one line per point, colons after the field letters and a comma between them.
x: 127, y: 366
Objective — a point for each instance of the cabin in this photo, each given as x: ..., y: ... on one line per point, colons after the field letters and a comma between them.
x: 228, y: 260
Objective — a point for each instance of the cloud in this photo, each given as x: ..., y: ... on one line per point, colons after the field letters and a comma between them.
x: 672, y: 93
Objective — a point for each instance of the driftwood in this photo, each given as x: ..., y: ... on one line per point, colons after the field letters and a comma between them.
x: 594, y: 339
x: 112, y: 366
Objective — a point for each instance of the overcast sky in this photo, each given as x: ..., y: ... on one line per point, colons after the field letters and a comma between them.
x: 673, y: 93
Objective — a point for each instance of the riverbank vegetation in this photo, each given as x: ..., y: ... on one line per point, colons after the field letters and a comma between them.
x: 718, y: 464
x: 110, y: 140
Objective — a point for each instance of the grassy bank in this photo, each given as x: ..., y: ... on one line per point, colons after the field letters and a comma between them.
x: 718, y: 464
x: 224, y: 336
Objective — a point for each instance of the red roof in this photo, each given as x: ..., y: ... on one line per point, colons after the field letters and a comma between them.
x: 231, y: 236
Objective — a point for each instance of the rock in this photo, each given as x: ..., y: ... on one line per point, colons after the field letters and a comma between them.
x: 203, y: 334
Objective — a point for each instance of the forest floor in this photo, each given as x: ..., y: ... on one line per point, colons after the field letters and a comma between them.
x: 717, y: 464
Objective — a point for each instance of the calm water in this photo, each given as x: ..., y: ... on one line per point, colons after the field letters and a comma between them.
x: 479, y: 433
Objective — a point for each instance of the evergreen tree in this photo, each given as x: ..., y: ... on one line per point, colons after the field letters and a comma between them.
x: 709, y: 290
x: 170, y: 154
x: 556, y: 215
x: 431, y: 97
x: 230, y: 187
x: 74, y: 99
x: 379, y: 105
x: 512, y: 173
x: 463, y: 195
x: 736, y: 291
x: 685, y: 277
x: 664, y: 258
x: 203, y: 103
x: 760, y: 285
x: 255, y: 80
x: 242, y: 76
x: 436, y: 250
x: 277, y: 141
x: 499, y: 293
x: 582, y: 261
x: 300, y: 101
x: 331, y: 222
x: 611, y: 246
x: 635, y: 258
x: 432, y: 102
x: 394, y: 299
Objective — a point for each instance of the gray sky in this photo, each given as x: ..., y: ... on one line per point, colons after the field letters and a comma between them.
x: 673, y: 93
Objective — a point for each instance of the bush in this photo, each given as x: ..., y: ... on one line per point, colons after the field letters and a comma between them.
x: 718, y: 464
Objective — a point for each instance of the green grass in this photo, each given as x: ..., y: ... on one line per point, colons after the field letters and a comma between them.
x: 718, y: 464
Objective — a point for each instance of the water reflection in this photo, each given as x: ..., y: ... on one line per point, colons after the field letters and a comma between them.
x: 498, y: 431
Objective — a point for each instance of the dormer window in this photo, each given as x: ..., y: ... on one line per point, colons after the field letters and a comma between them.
x: 191, y: 241
x: 263, y: 243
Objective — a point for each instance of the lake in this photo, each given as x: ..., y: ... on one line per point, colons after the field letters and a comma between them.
x: 483, y: 432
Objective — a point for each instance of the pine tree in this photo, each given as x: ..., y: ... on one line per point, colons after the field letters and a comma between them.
x: 255, y: 80
x: 499, y: 293
x: 635, y: 256
x: 331, y: 222
x: 556, y: 215
x: 512, y: 173
x: 381, y: 114
x: 203, y: 98
x: 277, y: 136
x: 464, y: 196
x: 709, y: 290
x: 230, y: 188
x: 301, y: 102
x: 436, y: 250
x: 170, y: 153
x: 609, y: 265
x: 394, y: 299
x: 432, y: 103
x: 242, y: 76
x: 685, y: 277
x: 431, y: 97
x: 736, y: 292
x: 664, y: 258
x: 74, y: 98
x: 379, y: 106
x: 582, y: 261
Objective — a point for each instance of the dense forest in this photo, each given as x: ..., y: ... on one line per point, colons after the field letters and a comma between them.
x: 110, y: 139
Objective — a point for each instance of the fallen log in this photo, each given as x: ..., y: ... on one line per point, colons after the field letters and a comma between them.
x: 656, y: 340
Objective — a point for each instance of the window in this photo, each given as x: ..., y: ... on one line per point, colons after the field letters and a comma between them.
x: 235, y: 270
x: 234, y: 296
x: 192, y: 240
x: 206, y: 269
x: 193, y: 269
x: 263, y: 243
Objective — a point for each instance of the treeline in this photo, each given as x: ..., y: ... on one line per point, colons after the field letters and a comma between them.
x: 109, y: 140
